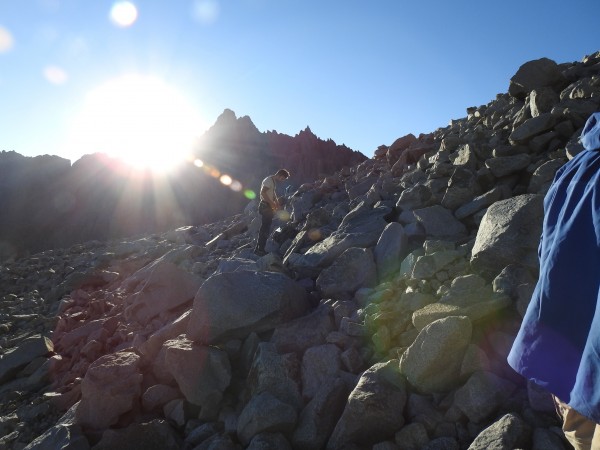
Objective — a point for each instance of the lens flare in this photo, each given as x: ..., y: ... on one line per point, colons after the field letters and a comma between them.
x: 236, y: 186
x: 123, y: 14
x: 55, y: 75
x: 314, y: 234
x: 283, y: 215
x: 205, y: 11
x: 249, y: 194
x: 6, y: 40
x: 198, y: 163
x: 226, y: 180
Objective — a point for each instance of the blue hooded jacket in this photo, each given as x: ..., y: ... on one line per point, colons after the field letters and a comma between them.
x: 558, y: 345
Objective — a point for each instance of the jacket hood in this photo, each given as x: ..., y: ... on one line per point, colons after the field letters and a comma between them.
x: 590, y: 136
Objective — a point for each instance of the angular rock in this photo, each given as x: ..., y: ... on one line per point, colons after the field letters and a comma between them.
x: 509, y: 232
x: 202, y: 373
x: 353, y: 269
x: 412, y: 436
x: 475, y: 312
x: 65, y: 434
x: 154, y: 343
x: 374, y: 409
x: 158, y: 396
x: 534, y: 75
x: 427, y: 266
x: 507, y: 165
x: 432, y: 363
x: 110, y: 387
x: 319, y: 364
x: 507, y: 433
x: 482, y: 395
x: 391, y: 249
x: 304, y: 332
x: 317, y: 420
x: 543, y: 176
x: 533, y: 127
x: 232, y: 305
x: 439, y: 222
x: 467, y: 290
x: 166, y: 287
x: 269, y: 441
x: 157, y: 434
x: 276, y: 374
x: 398, y: 146
x: 265, y: 413
x: 510, y: 278
x: 542, y: 100
x: 28, y: 350
x: 361, y: 227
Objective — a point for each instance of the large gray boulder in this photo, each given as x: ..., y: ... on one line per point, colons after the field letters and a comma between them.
x: 202, y: 373
x: 534, y: 75
x: 276, y: 374
x: 304, y: 332
x: 232, y: 305
x: 532, y: 127
x: 432, y: 363
x: 320, y: 415
x: 391, y: 249
x: 353, y: 269
x: 110, y: 387
x: 482, y: 395
x: 17, y: 358
x: 509, y: 432
x: 439, y: 222
x: 374, y: 411
x: 166, y: 287
x: 361, y: 227
x: 509, y: 232
x: 265, y: 413
x: 319, y: 364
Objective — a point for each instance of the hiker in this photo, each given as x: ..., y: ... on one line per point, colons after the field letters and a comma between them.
x: 269, y: 203
x: 558, y: 344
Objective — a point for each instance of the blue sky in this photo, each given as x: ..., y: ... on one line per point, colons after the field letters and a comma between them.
x: 361, y: 73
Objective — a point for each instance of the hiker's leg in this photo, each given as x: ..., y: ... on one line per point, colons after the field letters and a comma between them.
x: 580, y: 431
x: 265, y: 228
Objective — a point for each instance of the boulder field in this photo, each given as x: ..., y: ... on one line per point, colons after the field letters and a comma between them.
x: 380, y: 318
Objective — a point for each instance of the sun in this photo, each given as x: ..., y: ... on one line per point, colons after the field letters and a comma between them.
x: 138, y: 118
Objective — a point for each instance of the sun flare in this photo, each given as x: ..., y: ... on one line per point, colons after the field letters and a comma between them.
x: 139, y: 119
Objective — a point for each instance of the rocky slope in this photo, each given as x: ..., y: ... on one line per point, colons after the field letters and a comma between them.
x: 46, y: 203
x: 380, y: 319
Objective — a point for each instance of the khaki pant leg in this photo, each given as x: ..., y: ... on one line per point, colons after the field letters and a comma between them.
x: 581, y: 432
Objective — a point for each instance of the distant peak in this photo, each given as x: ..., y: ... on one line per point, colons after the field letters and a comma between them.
x: 306, y: 131
x: 227, y: 116
x: 247, y: 122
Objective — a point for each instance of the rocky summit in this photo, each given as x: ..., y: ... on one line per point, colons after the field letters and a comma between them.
x: 380, y: 318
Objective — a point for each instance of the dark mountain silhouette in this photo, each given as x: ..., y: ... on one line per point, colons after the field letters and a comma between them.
x: 235, y: 146
x: 47, y: 203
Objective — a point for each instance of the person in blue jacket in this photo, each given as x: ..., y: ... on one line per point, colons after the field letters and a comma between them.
x: 558, y: 344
